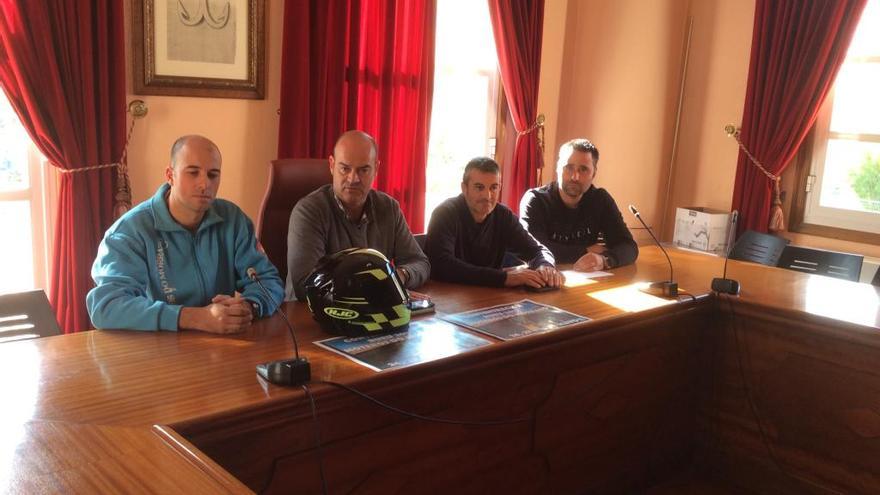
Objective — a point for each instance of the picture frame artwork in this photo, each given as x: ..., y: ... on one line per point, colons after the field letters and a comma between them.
x: 207, y: 48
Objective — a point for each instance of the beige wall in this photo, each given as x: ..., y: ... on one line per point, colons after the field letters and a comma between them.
x: 245, y: 130
x: 552, y: 57
x: 715, y: 89
x: 618, y: 88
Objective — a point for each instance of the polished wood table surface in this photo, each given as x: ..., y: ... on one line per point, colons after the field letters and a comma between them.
x: 118, y: 411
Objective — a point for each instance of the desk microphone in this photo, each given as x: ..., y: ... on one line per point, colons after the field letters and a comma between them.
x: 666, y: 288
x: 294, y: 371
x: 726, y: 285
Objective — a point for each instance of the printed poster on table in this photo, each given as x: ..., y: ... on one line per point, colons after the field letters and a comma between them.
x: 514, y: 320
x: 426, y: 340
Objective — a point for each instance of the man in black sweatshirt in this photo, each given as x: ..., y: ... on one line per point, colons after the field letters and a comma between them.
x: 469, y: 234
x: 569, y: 215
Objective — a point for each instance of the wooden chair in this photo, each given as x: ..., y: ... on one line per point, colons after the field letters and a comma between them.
x: 290, y: 180
x: 760, y: 248
x: 26, y: 315
x: 820, y: 262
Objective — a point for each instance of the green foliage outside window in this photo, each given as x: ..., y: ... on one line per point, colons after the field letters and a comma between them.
x: 866, y: 182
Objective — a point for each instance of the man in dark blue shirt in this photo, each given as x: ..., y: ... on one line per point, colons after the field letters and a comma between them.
x: 470, y: 233
x: 570, y: 214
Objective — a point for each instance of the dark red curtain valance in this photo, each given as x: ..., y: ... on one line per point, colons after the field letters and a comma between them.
x: 797, y: 49
x: 361, y: 64
x: 518, y: 26
x: 62, y: 68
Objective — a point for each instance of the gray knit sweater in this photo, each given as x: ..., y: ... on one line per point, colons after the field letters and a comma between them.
x: 318, y: 226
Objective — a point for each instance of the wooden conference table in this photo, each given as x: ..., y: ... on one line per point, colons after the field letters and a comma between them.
x: 777, y: 390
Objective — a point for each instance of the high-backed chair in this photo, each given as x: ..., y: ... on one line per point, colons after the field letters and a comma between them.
x: 758, y: 248
x: 290, y: 179
x: 26, y: 315
x: 820, y: 262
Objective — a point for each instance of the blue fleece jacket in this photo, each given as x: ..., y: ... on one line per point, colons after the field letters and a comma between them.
x: 149, y: 266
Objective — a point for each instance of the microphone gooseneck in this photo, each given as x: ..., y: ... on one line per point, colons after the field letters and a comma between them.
x: 635, y: 213
x: 730, y: 235
x: 725, y: 285
x: 252, y: 274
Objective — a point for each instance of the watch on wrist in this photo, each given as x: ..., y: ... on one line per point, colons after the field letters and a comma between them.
x: 606, y: 262
x: 255, y: 308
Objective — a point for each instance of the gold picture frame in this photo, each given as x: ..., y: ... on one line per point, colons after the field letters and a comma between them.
x: 207, y: 48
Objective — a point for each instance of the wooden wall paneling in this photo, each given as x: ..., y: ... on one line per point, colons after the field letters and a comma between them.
x: 817, y: 398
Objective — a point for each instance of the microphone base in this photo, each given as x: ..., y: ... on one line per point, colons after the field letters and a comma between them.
x: 287, y: 372
x: 666, y: 288
x: 725, y: 286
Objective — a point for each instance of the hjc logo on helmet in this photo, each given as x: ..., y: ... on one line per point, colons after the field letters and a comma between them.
x: 341, y: 313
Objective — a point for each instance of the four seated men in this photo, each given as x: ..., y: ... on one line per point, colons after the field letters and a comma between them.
x: 183, y: 259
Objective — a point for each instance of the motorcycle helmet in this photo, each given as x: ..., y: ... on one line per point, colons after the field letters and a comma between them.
x: 356, y: 292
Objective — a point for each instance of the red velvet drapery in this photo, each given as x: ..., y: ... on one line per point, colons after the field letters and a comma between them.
x: 362, y: 64
x: 62, y: 68
x: 518, y: 26
x: 797, y: 49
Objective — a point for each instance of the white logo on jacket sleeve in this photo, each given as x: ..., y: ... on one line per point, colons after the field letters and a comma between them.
x: 163, y: 281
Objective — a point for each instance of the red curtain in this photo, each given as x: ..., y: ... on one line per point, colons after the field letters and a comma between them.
x: 518, y: 26
x: 797, y: 49
x: 362, y: 64
x: 61, y: 66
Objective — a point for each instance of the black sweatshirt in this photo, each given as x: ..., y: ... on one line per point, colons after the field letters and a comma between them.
x: 463, y: 251
x: 568, y: 232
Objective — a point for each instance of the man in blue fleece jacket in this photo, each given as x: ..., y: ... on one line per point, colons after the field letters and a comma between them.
x: 179, y: 260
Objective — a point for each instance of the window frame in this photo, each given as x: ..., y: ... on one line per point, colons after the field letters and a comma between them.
x: 809, y: 167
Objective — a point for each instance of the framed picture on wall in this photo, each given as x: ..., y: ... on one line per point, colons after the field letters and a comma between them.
x: 209, y: 48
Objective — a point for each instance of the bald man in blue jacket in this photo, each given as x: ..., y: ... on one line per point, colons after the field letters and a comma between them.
x: 180, y: 260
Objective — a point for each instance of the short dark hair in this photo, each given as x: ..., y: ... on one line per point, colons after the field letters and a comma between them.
x: 580, y: 144
x: 182, y: 140
x: 483, y: 164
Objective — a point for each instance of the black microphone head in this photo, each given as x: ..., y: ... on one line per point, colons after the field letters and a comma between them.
x: 633, y: 210
x: 252, y: 273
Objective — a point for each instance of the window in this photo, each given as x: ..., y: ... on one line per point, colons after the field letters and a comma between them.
x: 467, y: 89
x: 23, y: 177
x: 841, y: 192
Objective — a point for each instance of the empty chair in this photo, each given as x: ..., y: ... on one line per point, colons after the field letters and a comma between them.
x: 760, y: 248
x: 820, y: 262
x: 290, y: 180
x: 26, y: 315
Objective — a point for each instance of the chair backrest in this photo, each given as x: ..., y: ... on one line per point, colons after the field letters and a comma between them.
x: 420, y: 240
x: 820, y: 262
x: 290, y: 180
x: 876, y: 280
x: 26, y: 315
x: 758, y: 248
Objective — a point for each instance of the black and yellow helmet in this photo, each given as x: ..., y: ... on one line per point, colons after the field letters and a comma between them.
x: 356, y: 292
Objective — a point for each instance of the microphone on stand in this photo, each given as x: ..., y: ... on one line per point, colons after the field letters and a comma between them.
x: 726, y: 285
x: 289, y: 372
x: 666, y: 288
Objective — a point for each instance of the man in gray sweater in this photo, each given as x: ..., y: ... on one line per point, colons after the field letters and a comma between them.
x: 349, y: 213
